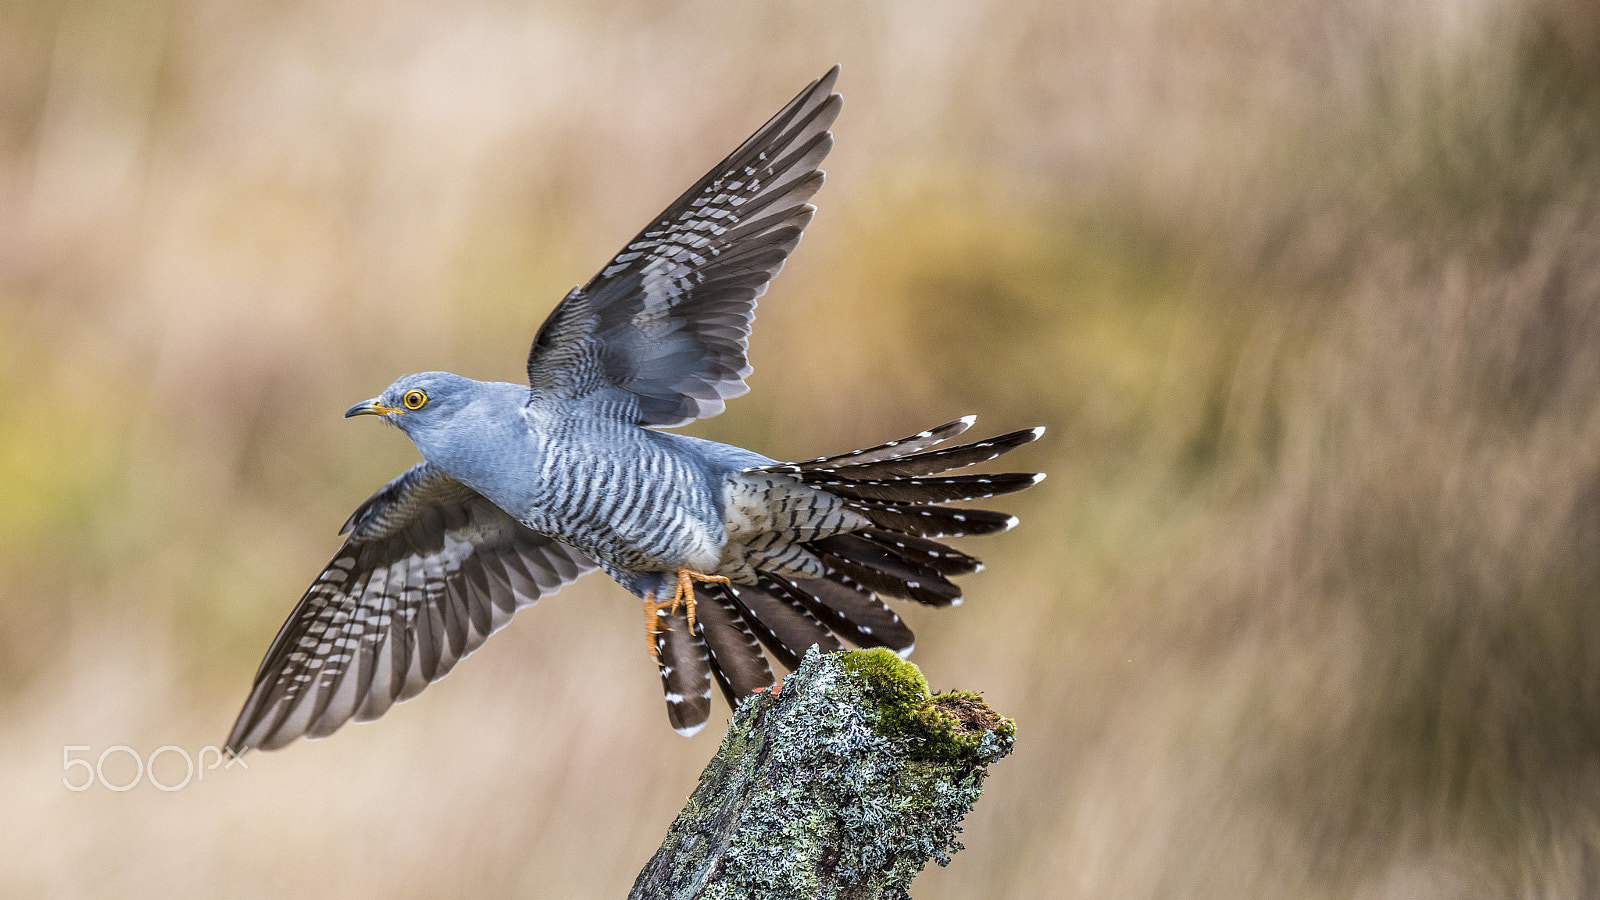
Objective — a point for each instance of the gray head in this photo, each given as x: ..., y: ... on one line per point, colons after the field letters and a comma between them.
x: 421, y: 402
x: 451, y: 419
x: 428, y: 396
x: 464, y: 427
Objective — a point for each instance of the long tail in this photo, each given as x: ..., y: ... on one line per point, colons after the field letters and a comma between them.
x: 899, y: 487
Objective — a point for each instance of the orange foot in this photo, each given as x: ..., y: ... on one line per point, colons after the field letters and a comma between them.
x: 683, y: 596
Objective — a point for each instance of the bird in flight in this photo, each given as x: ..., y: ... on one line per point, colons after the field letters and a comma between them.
x: 524, y: 488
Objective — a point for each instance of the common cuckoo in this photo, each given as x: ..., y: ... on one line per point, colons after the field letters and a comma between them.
x: 524, y: 488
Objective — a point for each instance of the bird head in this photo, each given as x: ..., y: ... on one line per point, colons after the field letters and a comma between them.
x: 417, y: 402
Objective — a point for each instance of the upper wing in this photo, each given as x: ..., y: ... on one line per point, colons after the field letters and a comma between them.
x: 431, y: 569
x: 659, y: 336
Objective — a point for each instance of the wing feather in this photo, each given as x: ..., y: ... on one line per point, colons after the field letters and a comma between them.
x: 659, y: 336
x: 430, y: 569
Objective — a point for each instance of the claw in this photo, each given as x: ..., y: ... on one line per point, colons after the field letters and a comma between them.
x: 652, y: 625
x: 685, y: 592
x: 683, y: 596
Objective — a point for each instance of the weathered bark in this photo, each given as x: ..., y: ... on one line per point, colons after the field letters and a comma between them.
x: 844, y: 785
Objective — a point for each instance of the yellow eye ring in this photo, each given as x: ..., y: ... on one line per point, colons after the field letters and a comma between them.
x: 414, y: 399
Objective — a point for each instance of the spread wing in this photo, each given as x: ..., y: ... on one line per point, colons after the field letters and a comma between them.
x: 659, y: 336
x: 431, y: 568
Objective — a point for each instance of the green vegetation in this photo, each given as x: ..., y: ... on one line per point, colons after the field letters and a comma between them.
x: 945, y: 728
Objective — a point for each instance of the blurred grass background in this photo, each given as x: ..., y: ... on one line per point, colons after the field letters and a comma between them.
x: 1308, y: 293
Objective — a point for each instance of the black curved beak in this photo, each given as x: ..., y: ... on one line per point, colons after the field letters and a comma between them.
x: 371, y: 408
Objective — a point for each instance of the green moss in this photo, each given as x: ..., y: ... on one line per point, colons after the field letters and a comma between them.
x: 890, y: 679
x: 946, y: 728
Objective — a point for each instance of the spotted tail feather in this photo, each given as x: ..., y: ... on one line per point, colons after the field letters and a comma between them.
x: 685, y: 672
x: 899, y: 487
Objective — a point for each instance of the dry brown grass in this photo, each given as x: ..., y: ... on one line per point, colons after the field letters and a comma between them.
x: 1309, y: 294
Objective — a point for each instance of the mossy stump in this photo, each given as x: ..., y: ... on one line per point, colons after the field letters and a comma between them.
x: 843, y: 785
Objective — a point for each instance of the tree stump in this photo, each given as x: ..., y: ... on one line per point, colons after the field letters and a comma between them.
x: 842, y: 785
